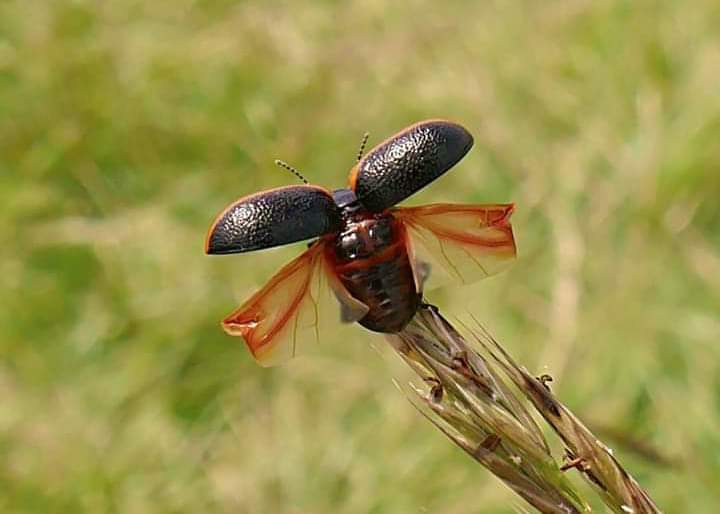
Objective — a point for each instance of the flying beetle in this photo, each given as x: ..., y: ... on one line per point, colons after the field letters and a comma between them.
x: 375, y: 257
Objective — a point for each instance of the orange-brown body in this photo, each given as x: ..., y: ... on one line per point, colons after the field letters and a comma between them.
x: 369, y: 256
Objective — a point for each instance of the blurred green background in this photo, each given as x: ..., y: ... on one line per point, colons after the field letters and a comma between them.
x: 125, y: 126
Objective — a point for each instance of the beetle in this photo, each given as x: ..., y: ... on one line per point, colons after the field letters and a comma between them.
x: 375, y: 257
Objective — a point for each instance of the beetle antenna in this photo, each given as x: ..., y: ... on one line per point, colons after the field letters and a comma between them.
x: 292, y: 170
x: 362, y: 145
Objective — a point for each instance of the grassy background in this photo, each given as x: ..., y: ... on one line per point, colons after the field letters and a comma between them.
x: 125, y: 126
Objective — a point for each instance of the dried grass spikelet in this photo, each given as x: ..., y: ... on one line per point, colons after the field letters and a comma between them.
x: 473, y: 400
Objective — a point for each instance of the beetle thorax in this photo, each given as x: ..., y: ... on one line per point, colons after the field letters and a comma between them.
x: 363, y: 237
x: 363, y: 233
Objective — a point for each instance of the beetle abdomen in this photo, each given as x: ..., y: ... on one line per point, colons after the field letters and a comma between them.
x: 371, y: 260
x: 388, y: 289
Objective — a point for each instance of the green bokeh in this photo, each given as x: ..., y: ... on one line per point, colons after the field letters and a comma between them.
x: 125, y: 127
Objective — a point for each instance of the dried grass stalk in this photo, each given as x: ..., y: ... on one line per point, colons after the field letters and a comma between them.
x: 473, y: 399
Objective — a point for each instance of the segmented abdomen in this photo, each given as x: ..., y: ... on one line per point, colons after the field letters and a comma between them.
x: 371, y: 261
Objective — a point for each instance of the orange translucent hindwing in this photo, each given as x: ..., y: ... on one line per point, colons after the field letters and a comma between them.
x: 451, y: 243
x: 287, y: 312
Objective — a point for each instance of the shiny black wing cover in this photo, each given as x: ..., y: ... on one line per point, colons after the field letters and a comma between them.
x: 407, y: 162
x: 273, y: 218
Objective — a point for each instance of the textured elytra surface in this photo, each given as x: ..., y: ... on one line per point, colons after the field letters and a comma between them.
x: 273, y: 218
x: 409, y: 161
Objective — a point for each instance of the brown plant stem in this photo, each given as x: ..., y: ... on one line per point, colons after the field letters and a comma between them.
x: 472, y: 398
